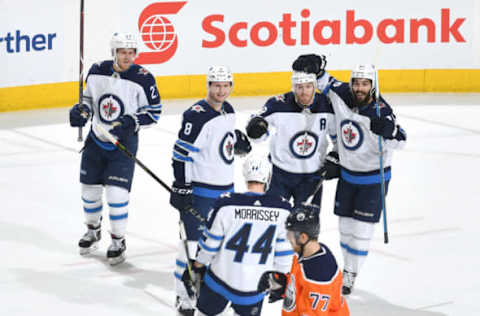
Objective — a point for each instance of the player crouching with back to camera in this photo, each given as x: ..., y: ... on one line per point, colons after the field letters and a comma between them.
x: 299, y: 122
x: 244, y: 237
x: 358, y: 199
x: 203, y: 164
x: 313, y: 287
x: 120, y: 97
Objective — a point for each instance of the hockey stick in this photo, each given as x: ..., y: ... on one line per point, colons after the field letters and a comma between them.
x: 317, y: 188
x: 380, y: 157
x: 183, y: 237
x: 120, y: 146
x: 80, y: 74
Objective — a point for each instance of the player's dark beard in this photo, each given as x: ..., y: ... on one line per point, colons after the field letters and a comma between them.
x: 363, y: 100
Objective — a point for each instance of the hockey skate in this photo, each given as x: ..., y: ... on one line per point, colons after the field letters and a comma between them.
x: 116, y: 251
x: 182, y: 310
x: 348, y: 282
x: 89, y: 241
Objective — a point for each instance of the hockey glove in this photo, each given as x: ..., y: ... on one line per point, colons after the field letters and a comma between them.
x: 311, y: 63
x: 331, y: 167
x: 79, y: 115
x: 242, y: 145
x: 274, y: 283
x: 256, y: 127
x: 382, y: 126
x: 181, y: 196
x: 124, y: 127
x: 193, y: 283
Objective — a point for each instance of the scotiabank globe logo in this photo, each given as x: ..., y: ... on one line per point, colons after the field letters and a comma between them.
x: 157, y: 32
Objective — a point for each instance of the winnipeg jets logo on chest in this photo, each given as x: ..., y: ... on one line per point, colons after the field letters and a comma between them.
x: 351, y: 134
x: 226, y: 148
x: 303, y: 144
x: 110, y: 108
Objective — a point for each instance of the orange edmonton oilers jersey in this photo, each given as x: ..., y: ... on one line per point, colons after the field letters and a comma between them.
x: 315, y: 286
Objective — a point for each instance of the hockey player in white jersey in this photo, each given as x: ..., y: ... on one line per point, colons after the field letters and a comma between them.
x: 358, y: 200
x: 244, y: 236
x: 298, y: 123
x: 121, y: 97
x: 203, y: 157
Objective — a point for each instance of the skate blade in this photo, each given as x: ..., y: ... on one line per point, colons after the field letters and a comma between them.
x: 116, y: 261
x: 89, y: 250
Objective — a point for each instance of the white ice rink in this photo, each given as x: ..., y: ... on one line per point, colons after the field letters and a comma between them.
x: 430, y: 266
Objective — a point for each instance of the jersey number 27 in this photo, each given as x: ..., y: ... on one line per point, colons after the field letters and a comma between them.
x: 263, y: 245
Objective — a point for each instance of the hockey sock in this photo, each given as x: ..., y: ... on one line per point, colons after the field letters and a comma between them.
x: 345, y: 226
x: 92, y: 203
x: 117, y: 199
x: 357, y: 248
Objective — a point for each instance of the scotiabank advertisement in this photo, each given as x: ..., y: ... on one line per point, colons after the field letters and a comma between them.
x: 185, y: 37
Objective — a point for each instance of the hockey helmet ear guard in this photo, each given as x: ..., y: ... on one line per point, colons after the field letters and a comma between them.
x: 219, y: 74
x: 304, y: 219
x: 364, y: 71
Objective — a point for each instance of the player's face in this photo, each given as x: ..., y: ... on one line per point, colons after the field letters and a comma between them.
x: 304, y: 93
x: 125, y: 58
x: 361, y: 90
x: 293, y: 241
x: 219, y: 91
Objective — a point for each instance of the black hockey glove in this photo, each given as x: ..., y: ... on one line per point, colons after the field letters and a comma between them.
x: 274, y: 283
x: 79, y: 115
x: 382, y: 126
x: 242, y: 145
x: 124, y: 127
x: 331, y: 167
x: 181, y: 196
x: 193, y: 285
x: 311, y: 63
x: 257, y: 126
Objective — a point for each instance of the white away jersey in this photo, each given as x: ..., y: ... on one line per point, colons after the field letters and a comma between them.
x: 245, y: 236
x: 204, y: 151
x: 110, y: 94
x: 357, y: 144
x: 298, y: 142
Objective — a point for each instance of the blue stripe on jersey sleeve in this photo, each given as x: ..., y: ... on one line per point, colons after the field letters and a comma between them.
x: 187, y: 146
x: 283, y: 253
x: 182, y: 158
x: 206, y: 248
x: 210, y: 235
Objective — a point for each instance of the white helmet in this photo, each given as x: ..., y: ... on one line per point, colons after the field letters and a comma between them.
x: 122, y: 40
x: 366, y: 71
x: 218, y: 74
x: 299, y: 77
x: 257, y: 168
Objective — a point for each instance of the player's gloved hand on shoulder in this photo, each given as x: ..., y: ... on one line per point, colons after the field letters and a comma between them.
x: 331, y: 166
x: 242, y: 145
x: 193, y: 283
x: 124, y: 127
x: 311, y: 63
x: 79, y: 115
x: 256, y: 127
x: 274, y: 283
x: 382, y: 126
x: 181, y: 196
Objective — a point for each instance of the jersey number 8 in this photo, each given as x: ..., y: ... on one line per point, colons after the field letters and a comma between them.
x: 239, y: 243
